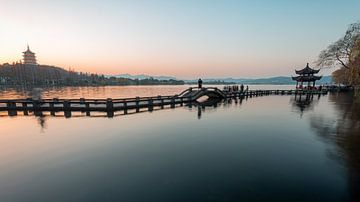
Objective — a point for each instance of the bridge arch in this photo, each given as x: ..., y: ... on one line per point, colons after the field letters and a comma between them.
x: 196, y: 93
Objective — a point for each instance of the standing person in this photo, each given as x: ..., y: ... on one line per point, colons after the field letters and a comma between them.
x: 247, y: 88
x: 200, y: 83
x: 242, y: 88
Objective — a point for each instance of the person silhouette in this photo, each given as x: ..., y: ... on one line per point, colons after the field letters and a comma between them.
x: 200, y: 83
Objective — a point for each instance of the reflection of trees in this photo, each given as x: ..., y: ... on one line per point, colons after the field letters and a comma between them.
x: 344, y: 131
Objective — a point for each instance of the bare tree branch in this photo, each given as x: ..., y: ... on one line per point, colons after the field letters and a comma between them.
x: 339, y: 52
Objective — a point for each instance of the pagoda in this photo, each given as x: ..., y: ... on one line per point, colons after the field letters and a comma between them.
x: 306, y: 75
x: 29, y: 57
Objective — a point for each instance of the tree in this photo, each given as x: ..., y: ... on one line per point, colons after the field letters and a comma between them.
x: 340, y: 76
x: 339, y: 52
x: 351, y: 74
x: 355, y: 68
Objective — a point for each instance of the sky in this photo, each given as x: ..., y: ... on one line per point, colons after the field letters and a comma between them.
x: 181, y: 38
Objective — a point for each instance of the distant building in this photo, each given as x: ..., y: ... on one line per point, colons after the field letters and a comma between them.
x: 29, y: 57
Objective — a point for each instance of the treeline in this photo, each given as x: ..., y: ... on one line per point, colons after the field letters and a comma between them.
x: 44, y: 75
x: 212, y: 82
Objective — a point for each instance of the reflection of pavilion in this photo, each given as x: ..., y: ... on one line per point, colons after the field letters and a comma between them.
x: 304, y: 102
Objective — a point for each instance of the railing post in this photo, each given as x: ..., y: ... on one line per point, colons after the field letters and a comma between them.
x: 161, y: 101
x: 82, y: 102
x: 125, y: 107
x: 109, y: 104
x: 66, y: 105
x: 24, y: 105
x: 181, y: 101
x: 109, y: 108
x: 137, y: 104
x: 150, y: 105
x: 172, y: 102
x: 35, y: 105
x: 67, y: 108
x: 11, y: 108
x: 87, y: 108
x: 52, y: 104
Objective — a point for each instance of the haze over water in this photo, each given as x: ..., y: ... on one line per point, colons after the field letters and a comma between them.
x: 271, y: 148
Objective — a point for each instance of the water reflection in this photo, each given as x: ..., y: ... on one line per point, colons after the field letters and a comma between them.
x: 42, y: 121
x: 343, y: 131
x: 303, y: 103
x: 113, y: 91
x: 259, y: 151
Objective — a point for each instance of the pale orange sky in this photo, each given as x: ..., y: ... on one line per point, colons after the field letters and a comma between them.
x: 185, y: 39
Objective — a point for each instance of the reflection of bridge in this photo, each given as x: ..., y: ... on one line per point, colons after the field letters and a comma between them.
x: 111, y: 105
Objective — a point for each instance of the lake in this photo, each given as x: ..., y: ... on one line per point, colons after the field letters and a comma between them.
x: 114, y: 91
x: 269, y: 148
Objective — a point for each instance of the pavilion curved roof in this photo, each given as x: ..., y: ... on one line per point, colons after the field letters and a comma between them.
x: 307, y: 70
x: 306, y: 78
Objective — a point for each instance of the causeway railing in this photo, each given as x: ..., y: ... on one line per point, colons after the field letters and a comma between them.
x: 110, y: 105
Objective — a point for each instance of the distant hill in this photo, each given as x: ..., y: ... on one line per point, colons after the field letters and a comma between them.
x: 279, y: 80
x: 45, y: 75
x: 142, y: 76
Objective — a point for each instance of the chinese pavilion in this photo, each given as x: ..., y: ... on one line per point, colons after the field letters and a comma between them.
x: 29, y: 57
x: 306, y: 75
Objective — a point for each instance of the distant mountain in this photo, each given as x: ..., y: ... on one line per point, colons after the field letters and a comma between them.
x: 142, y: 76
x: 279, y: 80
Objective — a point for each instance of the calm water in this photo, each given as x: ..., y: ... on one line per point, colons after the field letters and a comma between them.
x: 114, y: 91
x: 271, y: 148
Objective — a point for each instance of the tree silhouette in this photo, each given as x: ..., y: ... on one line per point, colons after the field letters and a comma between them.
x: 339, y: 52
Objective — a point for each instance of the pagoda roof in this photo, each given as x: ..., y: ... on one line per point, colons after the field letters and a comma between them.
x: 306, y: 78
x: 28, y: 50
x: 307, y: 70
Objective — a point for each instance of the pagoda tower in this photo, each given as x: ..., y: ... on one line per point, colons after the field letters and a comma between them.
x: 306, y: 75
x: 29, y: 57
